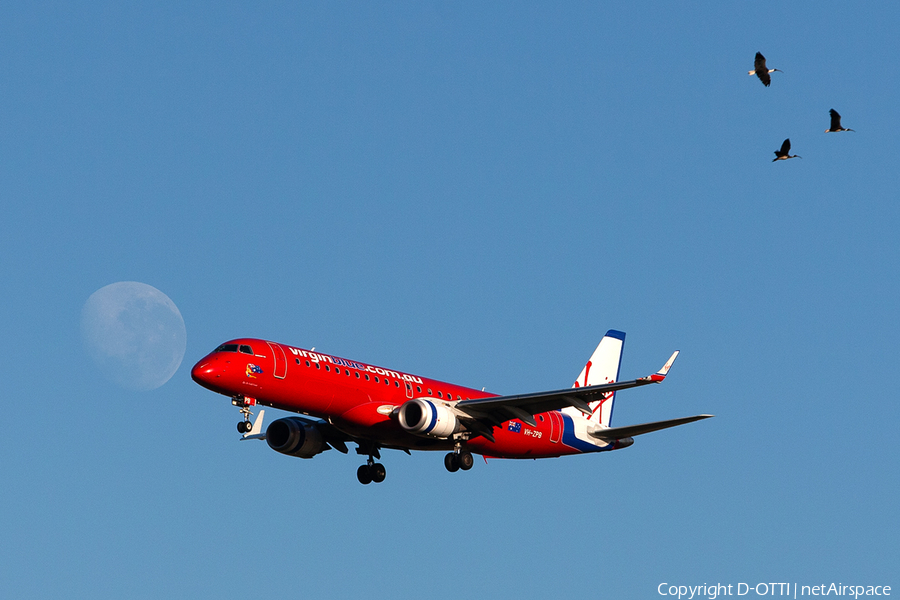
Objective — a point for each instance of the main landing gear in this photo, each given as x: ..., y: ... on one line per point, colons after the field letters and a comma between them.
x: 371, y: 472
x: 459, y: 459
x: 244, y: 404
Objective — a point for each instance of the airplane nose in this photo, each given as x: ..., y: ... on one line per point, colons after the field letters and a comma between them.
x: 204, y: 372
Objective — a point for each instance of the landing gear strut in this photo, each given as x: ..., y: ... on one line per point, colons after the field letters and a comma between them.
x: 244, y: 404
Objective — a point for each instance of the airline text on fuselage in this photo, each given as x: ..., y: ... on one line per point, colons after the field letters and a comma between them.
x: 316, y: 357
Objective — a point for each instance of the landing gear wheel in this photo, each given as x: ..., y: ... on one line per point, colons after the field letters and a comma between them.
x: 451, y: 461
x: 243, y: 426
x: 465, y: 460
x: 364, y: 474
x: 377, y: 472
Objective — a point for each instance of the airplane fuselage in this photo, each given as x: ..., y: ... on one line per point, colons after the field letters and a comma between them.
x: 359, y: 399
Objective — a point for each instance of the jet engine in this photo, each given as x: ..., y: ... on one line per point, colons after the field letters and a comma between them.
x: 295, y: 437
x: 424, y: 417
x: 623, y: 443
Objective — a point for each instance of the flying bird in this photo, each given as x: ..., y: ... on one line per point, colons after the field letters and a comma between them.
x: 835, y: 122
x: 783, y: 154
x: 761, y: 71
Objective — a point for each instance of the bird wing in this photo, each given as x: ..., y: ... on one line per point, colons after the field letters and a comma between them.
x: 835, y: 120
x: 759, y: 63
x: 786, y: 147
x: 762, y: 71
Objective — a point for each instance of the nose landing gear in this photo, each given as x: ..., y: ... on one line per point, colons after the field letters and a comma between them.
x: 244, y: 404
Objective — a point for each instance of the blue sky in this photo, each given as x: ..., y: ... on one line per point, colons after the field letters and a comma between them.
x: 472, y: 193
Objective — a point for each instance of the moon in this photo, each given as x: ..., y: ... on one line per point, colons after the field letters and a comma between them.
x: 134, y: 334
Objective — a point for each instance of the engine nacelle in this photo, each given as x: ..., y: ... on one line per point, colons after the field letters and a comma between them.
x: 623, y: 443
x: 295, y: 437
x: 424, y: 417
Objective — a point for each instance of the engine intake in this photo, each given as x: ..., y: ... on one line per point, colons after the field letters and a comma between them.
x: 295, y: 437
x: 427, y: 418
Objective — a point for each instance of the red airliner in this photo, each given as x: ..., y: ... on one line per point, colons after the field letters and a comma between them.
x: 375, y: 408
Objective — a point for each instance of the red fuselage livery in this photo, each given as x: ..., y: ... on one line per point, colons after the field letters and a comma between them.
x: 374, y: 407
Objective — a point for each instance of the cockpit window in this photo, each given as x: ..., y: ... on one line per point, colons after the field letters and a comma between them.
x: 227, y: 348
x: 246, y: 349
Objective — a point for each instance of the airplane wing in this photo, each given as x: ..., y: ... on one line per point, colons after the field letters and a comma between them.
x: 333, y: 436
x: 610, y: 434
x: 498, y: 409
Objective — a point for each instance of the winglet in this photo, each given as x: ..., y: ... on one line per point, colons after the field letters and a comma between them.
x: 661, y: 374
x: 665, y: 370
x: 256, y: 432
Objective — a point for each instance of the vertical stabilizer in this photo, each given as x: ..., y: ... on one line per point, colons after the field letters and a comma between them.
x: 603, y: 367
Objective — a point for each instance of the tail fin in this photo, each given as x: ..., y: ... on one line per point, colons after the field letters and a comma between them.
x: 603, y: 367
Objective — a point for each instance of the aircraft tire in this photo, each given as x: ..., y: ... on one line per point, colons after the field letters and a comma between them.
x: 451, y: 461
x: 465, y: 460
x: 364, y: 475
x: 378, y: 472
x: 242, y: 426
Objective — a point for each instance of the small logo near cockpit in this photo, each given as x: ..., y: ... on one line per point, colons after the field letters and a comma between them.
x: 253, y: 371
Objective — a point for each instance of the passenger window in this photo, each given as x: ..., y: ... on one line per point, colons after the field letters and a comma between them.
x: 356, y: 373
x: 541, y: 417
x: 317, y: 366
x: 386, y: 381
x: 307, y: 363
x: 376, y: 379
x: 440, y: 395
x: 347, y: 372
x: 429, y: 392
x: 419, y: 388
x: 327, y: 368
x: 367, y: 377
x: 397, y: 384
x: 298, y: 360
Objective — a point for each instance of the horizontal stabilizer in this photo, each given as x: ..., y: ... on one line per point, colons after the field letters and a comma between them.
x: 610, y: 434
